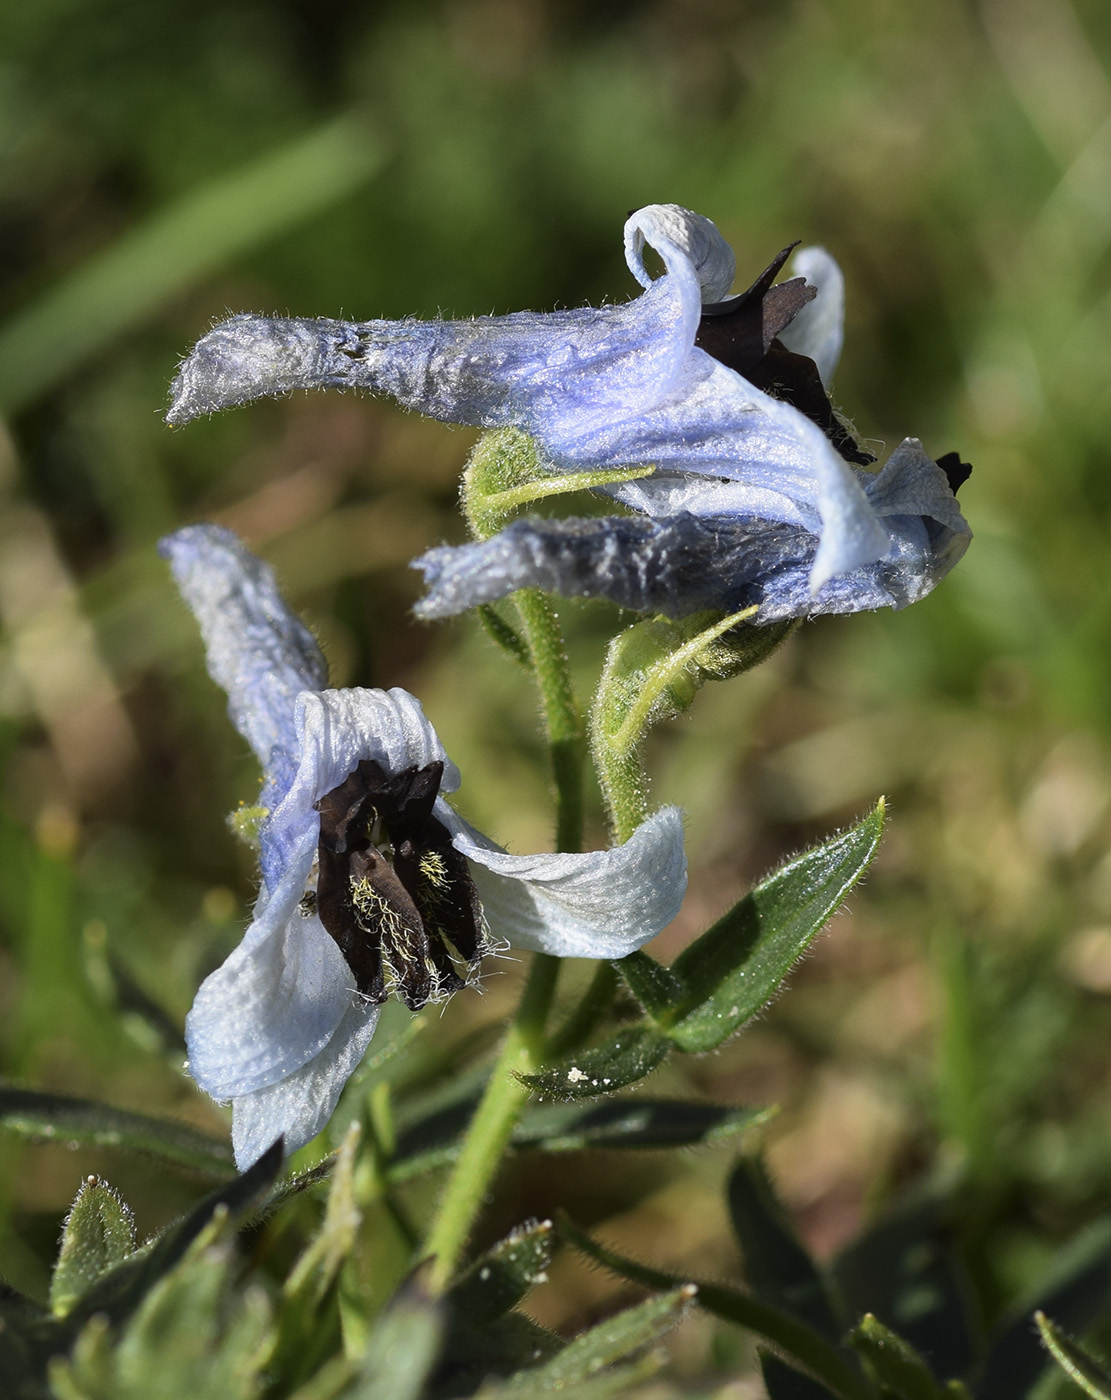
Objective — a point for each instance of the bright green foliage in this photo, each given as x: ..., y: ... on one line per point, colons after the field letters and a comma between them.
x: 737, y: 966
x: 1092, y: 1377
x: 893, y: 1361
x: 191, y: 1336
x: 630, y: 1054
x: 401, y: 1351
x: 98, y: 1234
x: 501, y: 1277
x: 608, y: 1342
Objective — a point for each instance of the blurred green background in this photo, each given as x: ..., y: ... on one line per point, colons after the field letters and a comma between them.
x: 162, y: 164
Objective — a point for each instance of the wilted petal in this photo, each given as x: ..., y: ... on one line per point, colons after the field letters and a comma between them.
x: 298, y: 1106
x: 598, y: 904
x: 687, y: 234
x: 256, y: 648
x: 276, y: 1000
x: 677, y: 565
x: 818, y: 330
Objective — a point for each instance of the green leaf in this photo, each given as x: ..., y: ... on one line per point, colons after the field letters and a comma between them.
x: 632, y: 1123
x: 630, y: 1054
x: 402, y: 1348
x: 893, y: 1361
x: 122, y: 1289
x: 501, y: 1348
x: 794, y: 1338
x: 192, y: 1335
x: 98, y: 1234
x: 1074, y: 1291
x: 608, y: 1342
x: 739, y: 964
x: 776, y: 1266
x: 616, y: 1380
x: 783, y: 1382
x: 1092, y: 1377
x: 58, y: 1118
x: 904, y: 1269
x: 502, y: 1276
x: 318, y: 1266
x: 433, y: 1140
x: 200, y: 232
x: 654, y: 986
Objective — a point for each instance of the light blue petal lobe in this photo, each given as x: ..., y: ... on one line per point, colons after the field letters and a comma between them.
x: 334, y: 730
x: 818, y: 330
x: 298, y: 1106
x: 911, y: 483
x: 276, y: 1000
x: 684, y: 234
x: 257, y: 649
x: 598, y: 904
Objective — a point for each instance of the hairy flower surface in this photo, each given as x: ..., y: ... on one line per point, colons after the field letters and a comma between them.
x: 370, y: 881
x: 755, y: 492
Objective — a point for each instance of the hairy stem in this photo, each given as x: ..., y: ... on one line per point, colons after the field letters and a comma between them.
x: 562, y: 718
x: 524, y: 1050
x: 493, y: 1123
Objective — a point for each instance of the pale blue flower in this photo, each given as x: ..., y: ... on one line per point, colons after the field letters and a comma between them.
x: 281, y: 1025
x: 806, y: 529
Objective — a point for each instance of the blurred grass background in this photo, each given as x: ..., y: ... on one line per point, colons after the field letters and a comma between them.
x: 160, y: 165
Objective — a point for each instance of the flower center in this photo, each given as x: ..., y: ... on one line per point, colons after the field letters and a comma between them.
x: 392, y: 891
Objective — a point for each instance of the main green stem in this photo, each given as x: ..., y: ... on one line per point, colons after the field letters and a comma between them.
x: 566, y: 733
x: 525, y: 1047
x: 492, y: 1126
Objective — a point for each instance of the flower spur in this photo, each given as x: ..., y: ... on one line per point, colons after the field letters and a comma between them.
x: 370, y: 880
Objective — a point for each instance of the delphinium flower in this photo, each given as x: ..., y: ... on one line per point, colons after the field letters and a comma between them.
x: 754, y: 490
x: 370, y: 881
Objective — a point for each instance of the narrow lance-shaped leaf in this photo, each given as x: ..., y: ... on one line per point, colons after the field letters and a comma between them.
x: 502, y: 1276
x: 402, y: 1348
x: 616, y: 1380
x: 611, y: 1341
x: 787, y: 1333
x: 739, y: 964
x: 776, y: 1266
x: 58, y: 1118
x: 632, y: 1122
x: 1093, y: 1378
x: 1074, y: 1291
x: 99, y: 1233
x: 630, y: 1054
x: 893, y: 1361
x: 119, y: 1291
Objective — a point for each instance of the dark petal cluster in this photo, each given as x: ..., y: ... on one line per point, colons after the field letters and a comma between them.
x: 742, y: 334
x: 400, y: 922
